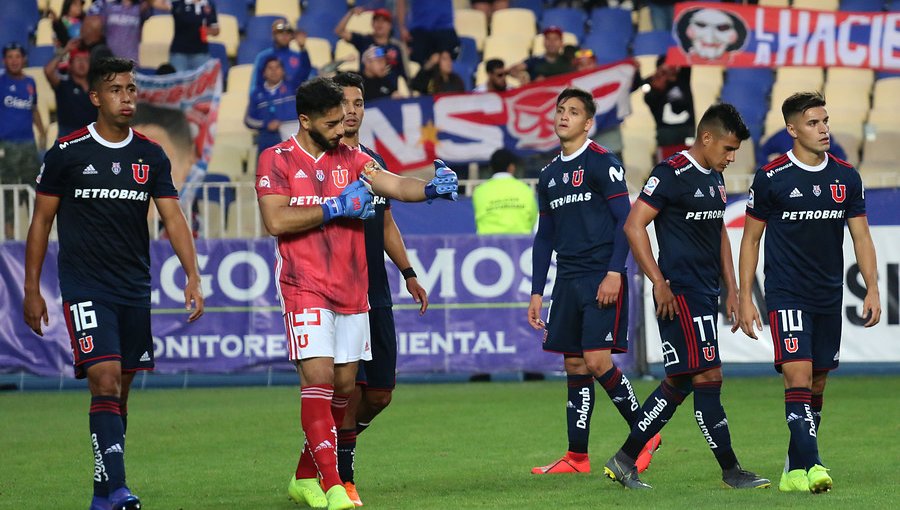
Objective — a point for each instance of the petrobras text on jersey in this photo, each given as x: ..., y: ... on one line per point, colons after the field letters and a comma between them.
x: 820, y: 214
x: 704, y: 215
x: 120, y: 194
x: 571, y: 198
x: 307, y: 200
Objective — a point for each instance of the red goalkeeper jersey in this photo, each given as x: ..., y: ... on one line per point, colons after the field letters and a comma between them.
x: 324, y: 267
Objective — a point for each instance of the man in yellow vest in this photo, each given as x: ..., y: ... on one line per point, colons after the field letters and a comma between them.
x: 504, y: 204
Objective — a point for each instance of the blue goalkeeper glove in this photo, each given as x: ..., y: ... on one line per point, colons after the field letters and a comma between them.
x: 444, y: 185
x: 354, y: 202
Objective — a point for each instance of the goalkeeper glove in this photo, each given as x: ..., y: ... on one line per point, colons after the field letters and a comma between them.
x: 354, y: 202
x: 444, y: 185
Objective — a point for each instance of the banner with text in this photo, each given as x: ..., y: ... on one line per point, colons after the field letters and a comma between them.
x: 752, y: 36
x: 410, y: 133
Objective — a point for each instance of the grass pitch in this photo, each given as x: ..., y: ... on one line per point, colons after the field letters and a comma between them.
x: 443, y: 447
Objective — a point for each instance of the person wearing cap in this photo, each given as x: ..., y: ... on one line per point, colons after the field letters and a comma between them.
x: 504, y: 204
x: 195, y: 21
x: 271, y: 104
x: 74, y: 109
x: 428, y: 28
x: 382, y: 25
x: 551, y: 63
x: 496, y: 77
x: 377, y: 79
x: 18, y: 111
x: 296, y: 64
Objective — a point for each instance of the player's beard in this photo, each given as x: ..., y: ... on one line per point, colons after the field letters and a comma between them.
x: 324, y: 143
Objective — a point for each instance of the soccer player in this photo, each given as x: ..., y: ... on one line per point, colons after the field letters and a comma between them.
x: 583, y: 203
x: 802, y: 200
x: 375, y: 379
x: 312, y: 192
x: 685, y: 199
x: 98, y: 182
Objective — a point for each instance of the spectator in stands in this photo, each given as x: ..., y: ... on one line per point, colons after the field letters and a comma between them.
x: 551, y: 63
x: 437, y: 76
x: 195, y: 21
x: 74, y: 109
x: 18, y: 111
x: 296, y: 64
x: 781, y: 142
x: 668, y: 94
x: 67, y: 25
x: 377, y: 79
x: 122, y: 22
x: 430, y: 28
x: 496, y: 77
x: 504, y: 204
x: 662, y: 14
x: 382, y: 25
x: 271, y: 104
x: 92, y: 39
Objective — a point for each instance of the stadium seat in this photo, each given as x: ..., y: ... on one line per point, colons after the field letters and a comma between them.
x: 819, y: 5
x: 229, y: 34
x: 319, y: 51
x: 244, y: 222
x: 615, y: 23
x: 360, y: 23
x: 893, y: 5
x: 537, y: 46
x: 217, y: 50
x: 756, y: 82
x: 23, y: 12
x: 849, y: 136
x: 44, y: 35
x: 850, y: 100
x: 511, y: 49
x: 236, y: 8
x: 641, y: 117
x: 514, y: 22
x: 259, y: 28
x: 744, y: 159
x: 535, y: 6
x: 774, y: 122
x: 13, y: 30
x: 320, y: 23
x: 46, y: 97
x: 52, y: 134
x: 862, y: 78
x: 468, y: 51
x: 481, y: 77
x: 883, y: 149
x: 466, y: 71
x: 862, y: 5
x: 800, y: 78
x: 347, y: 52
x: 290, y: 9
x: 471, y: 23
x: 652, y: 43
x: 403, y: 89
x: 774, y: 3
x: 239, y: 79
x: 568, y: 18
x: 607, y: 48
x: 40, y: 55
x: 158, y: 29
x: 153, y: 54
x: 250, y: 48
x: 644, y: 24
x: 886, y: 94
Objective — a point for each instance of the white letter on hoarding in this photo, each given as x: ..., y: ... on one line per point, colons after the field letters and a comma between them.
x: 442, y: 267
x: 261, y: 274
x: 174, y: 291
x: 470, y: 263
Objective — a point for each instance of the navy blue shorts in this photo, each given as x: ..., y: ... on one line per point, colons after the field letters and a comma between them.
x: 805, y: 336
x: 380, y: 373
x: 690, y: 342
x: 101, y: 331
x: 576, y: 324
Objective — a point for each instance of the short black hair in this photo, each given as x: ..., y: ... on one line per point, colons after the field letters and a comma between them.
x: 493, y: 64
x: 317, y: 96
x: 349, y: 79
x: 800, y: 102
x: 105, y: 69
x: 586, y: 98
x: 724, y: 118
x: 502, y: 158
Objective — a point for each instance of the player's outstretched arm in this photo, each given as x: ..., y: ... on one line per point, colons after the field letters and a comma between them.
x: 865, y: 257
x: 183, y: 244
x: 411, y: 189
x: 281, y: 218
x: 34, y: 307
x: 636, y: 231
x: 748, y: 260
x: 732, y: 310
x: 396, y: 250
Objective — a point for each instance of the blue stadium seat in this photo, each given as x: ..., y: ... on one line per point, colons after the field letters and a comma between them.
x: 466, y: 71
x: 40, y: 55
x: 653, y: 43
x: 217, y: 50
x: 249, y: 49
x: 259, y: 28
x: 468, y: 51
x: 615, y: 22
x: 607, y: 47
x: 754, y: 81
x: 893, y: 5
x: 862, y: 5
x: 321, y: 23
x: 214, y: 194
x: 25, y: 13
x: 237, y: 8
x: 567, y: 18
x: 536, y: 6
x: 13, y: 30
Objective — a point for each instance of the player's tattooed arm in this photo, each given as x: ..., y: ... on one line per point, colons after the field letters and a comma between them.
x: 410, y: 189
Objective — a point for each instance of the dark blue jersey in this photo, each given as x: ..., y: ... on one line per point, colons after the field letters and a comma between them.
x: 379, y: 289
x: 105, y: 190
x: 805, y: 209
x: 574, y: 191
x: 690, y: 201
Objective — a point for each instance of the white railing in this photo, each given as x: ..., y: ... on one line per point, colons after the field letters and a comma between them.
x: 19, y: 198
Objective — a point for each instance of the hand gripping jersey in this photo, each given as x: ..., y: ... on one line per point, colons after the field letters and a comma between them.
x: 805, y: 209
x: 691, y: 204
x: 324, y: 267
x: 105, y: 190
x: 574, y: 190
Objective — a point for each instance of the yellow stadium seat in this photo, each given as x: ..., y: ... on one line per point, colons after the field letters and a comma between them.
x: 45, y: 96
x: 152, y: 54
x: 846, y: 102
x: 512, y: 49
x: 537, y: 47
x: 471, y: 23
x: 706, y: 85
x: 44, y: 35
x: 229, y: 35
x: 886, y: 94
x: 744, y: 159
x: 644, y: 23
x: 290, y: 9
x: 158, y: 29
x: 514, y: 21
x: 637, y: 155
x: 773, y: 3
x: 818, y: 5
x: 774, y: 122
x: 319, y: 50
x: 862, y: 78
x: 349, y: 54
x: 52, y: 134
x: 232, y: 108
x: 360, y: 23
x: 239, y: 78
